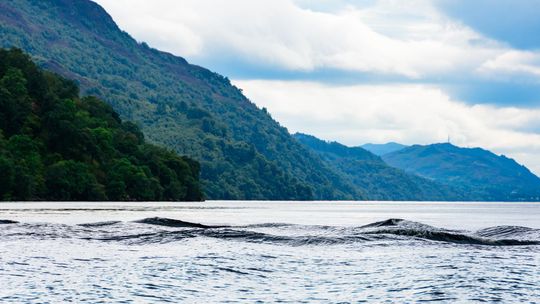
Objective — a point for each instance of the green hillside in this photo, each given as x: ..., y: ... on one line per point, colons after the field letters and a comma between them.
x: 243, y: 152
x: 370, y: 173
x: 55, y: 146
x: 477, y: 172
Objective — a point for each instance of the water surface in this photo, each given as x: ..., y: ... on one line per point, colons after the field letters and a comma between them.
x: 216, y: 252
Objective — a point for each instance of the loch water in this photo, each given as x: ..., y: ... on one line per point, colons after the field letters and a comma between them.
x: 268, y: 252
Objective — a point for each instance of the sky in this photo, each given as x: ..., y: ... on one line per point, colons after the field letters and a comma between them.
x: 359, y: 71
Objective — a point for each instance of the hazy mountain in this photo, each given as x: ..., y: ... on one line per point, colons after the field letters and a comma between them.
x: 370, y: 173
x: 480, y: 173
x: 244, y: 153
x: 381, y: 149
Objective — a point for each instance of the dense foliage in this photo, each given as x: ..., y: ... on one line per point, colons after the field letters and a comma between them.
x: 244, y: 153
x: 480, y: 174
x: 55, y: 146
x: 370, y: 173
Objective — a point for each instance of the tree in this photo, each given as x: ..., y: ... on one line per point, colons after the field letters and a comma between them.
x: 56, y: 146
x: 71, y: 180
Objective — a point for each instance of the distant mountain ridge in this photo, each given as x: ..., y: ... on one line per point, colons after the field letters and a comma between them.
x: 381, y: 149
x: 371, y: 174
x: 481, y: 174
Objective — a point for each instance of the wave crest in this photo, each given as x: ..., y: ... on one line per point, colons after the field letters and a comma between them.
x: 165, y: 230
x: 160, y: 221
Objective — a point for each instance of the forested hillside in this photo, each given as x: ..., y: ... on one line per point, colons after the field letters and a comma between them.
x: 480, y: 174
x: 56, y: 146
x: 244, y: 153
x: 371, y: 174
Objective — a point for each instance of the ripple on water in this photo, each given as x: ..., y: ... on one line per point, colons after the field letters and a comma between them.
x: 159, y: 260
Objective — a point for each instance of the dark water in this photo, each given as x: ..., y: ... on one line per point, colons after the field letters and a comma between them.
x: 221, y: 252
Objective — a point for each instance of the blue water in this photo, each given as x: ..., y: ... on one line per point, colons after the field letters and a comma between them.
x: 293, y: 252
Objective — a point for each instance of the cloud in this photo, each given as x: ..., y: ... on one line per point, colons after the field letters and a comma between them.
x: 408, y: 114
x: 513, y: 63
x: 293, y: 36
x: 340, y: 41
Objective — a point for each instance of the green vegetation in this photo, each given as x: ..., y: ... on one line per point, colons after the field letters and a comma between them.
x: 243, y: 152
x: 56, y: 146
x: 478, y: 173
x: 371, y: 174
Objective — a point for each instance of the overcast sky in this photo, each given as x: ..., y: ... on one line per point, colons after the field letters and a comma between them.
x: 363, y: 71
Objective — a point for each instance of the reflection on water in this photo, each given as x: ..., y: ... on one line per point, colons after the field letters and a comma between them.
x: 269, y: 252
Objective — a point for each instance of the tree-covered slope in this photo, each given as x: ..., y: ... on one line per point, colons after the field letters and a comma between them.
x: 244, y: 153
x: 370, y: 173
x: 55, y: 146
x: 479, y: 173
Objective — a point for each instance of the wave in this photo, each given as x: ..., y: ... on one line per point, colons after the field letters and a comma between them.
x: 6, y: 222
x: 508, y: 231
x: 100, y: 224
x: 385, y: 223
x: 159, y: 221
x: 454, y: 237
x: 227, y: 234
x: 493, y: 236
x: 384, y: 232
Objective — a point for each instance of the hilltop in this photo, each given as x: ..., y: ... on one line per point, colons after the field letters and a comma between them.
x: 481, y: 174
x: 382, y: 149
x: 377, y: 179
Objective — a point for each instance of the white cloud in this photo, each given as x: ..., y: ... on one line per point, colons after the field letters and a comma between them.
x: 513, y: 62
x: 404, y: 113
x: 417, y: 42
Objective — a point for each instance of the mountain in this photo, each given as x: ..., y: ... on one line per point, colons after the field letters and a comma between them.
x: 480, y: 173
x: 56, y: 146
x: 382, y: 149
x: 371, y: 174
x: 243, y: 152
